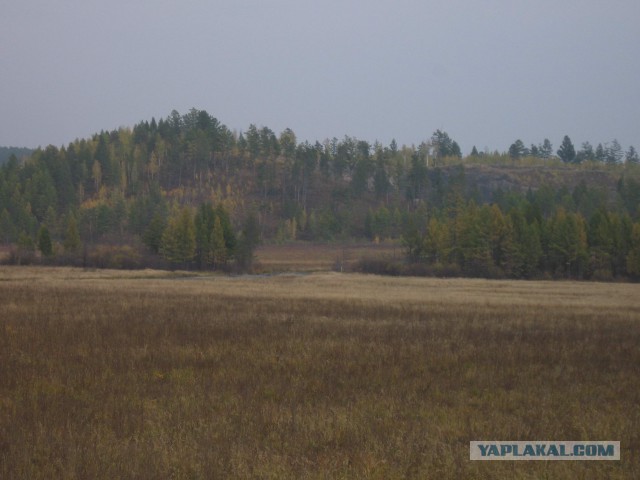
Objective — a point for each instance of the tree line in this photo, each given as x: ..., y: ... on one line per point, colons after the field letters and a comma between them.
x: 188, y: 191
x: 516, y: 238
x: 610, y: 153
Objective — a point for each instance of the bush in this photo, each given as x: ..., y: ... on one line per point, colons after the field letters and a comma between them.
x: 18, y: 256
x: 379, y: 266
x: 119, y: 257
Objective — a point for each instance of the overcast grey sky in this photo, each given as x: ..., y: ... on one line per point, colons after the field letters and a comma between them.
x: 486, y: 71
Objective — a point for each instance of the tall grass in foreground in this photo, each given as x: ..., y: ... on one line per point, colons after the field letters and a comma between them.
x: 324, y: 376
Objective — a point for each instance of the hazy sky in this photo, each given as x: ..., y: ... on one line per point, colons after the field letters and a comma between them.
x: 486, y: 71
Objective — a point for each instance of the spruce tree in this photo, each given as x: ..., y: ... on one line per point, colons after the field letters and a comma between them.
x: 567, y: 151
x: 218, y: 247
x: 71, y: 242
x: 249, y: 240
x: 152, y: 236
x: 179, y: 238
x: 44, y: 241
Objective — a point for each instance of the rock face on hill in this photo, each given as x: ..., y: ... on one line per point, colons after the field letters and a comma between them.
x: 486, y: 179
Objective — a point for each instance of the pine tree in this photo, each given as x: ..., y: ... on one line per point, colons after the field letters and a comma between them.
x: 614, y: 153
x: 249, y: 240
x: 44, y: 241
x: 473, y: 240
x: 437, y: 242
x: 230, y: 239
x: 152, y: 236
x: 7, y: 229
x: 501, y: 237
x: 632, y: 156
x: 567, y: 151
x: 517, y: 150
x: 179, y: 238
x: 546, y: 149
x: 71, y: 242
x: 568, y: 243
x: 218, y: 247
x: 525, y: 251
x: 204, y: 223
x: 601, y: 243
x: 586, y: 153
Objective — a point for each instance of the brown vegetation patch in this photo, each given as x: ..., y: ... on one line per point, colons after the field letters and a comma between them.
x: 308, y: 256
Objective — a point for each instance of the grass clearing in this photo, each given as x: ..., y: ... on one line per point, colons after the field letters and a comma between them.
x: 315, y: 257
x: 146, y: 374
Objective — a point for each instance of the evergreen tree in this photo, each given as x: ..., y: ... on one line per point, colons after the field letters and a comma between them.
x: 585, y: 154
x: 204, y: 222
x: 7, y: 229
x: 179, y: 238
x: 568, y: 243
x: 417, y: 177
x: 413, y: 240
x: 633, y: 257
x: 621, y: 228
x: 40, y: 192
x: 249, y: 240
x: 444, y: 146
x: 218, y: 247
x: 437, y: 242
x: 108, y: 173
x: 546, y: 149
x: 517, y: 150
x: 44, y: 241
x: 230, y: 239
x: 152, y: 236
x: 534, y: 151
x: 632, y: 156
x: 629, y: 191
x: 473, y: 240
x: 614, y: 153
x: 51, y: 221
x: 501, y: 237
x: 526, y: 250
x: 72, y: 241
x: 567, y: 152
x: 381, y: 182
x: 601, y: 243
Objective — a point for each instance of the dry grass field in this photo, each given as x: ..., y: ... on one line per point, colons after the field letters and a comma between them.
x: 111, y: 374
x: 314, y: 257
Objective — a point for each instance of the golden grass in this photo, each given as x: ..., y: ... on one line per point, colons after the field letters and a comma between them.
x: 115, y: 374
x: 313, y: 257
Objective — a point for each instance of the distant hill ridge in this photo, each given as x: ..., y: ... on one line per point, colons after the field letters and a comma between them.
x: 19, y: 152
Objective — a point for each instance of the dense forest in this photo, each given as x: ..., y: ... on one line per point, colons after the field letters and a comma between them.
x: 186, y: 191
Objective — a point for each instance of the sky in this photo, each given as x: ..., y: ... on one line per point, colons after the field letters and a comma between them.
x: 487, y: 72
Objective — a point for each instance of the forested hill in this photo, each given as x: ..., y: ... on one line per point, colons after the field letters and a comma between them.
x: 189, y: 191
x: 18, y: 152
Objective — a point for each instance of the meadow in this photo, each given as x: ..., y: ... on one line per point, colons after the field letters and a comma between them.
x: 319, y: 257
x: 148, y: 374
